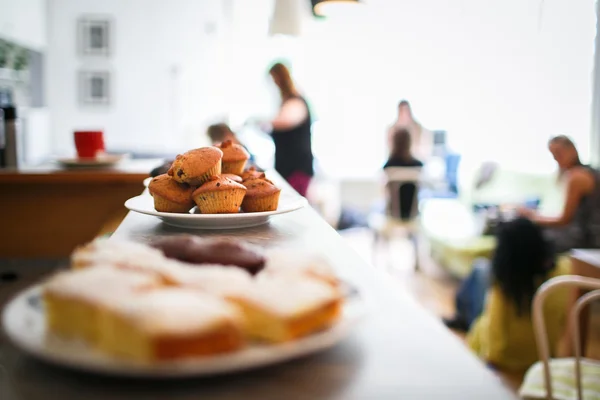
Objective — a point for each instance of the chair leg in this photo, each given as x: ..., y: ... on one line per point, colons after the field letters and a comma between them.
x: 375, y: 247
x: 388, y: 252
x: 413, y: 238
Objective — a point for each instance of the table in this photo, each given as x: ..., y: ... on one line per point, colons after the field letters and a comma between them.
x: 398, y: 352
x: 584, y: 262
x: 81, y: 202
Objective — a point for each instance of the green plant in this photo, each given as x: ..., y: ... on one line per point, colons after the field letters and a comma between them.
x: 4, y: 53
x: 21, y: 59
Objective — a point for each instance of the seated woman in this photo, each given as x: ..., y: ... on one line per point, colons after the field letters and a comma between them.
x: 578, y: 226
x: 401, y: 156
x: 503, y: 335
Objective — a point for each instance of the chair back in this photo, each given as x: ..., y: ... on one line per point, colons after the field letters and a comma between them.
x: 539, y: 325
x: 402, y: 189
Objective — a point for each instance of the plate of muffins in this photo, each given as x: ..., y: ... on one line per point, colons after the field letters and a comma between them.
x: 181, y: 307
x: 209, y: 188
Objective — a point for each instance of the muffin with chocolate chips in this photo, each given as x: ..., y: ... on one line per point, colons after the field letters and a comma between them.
x: 220, y: 195
x: 234, y: 159
x: 233, y: 177
x: 171, y: 196
x: 261, y: 195
x: 251, y: 173
x: 196, y: 166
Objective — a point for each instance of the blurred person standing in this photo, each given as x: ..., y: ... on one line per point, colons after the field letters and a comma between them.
x: 291, y: 132
x: 421, y: 138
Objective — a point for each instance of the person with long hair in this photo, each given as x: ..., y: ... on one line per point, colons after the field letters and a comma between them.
x: 578, y: 226
x: 291, y: 132
x: 421, y: 138
x: 503, y: 335
x: 401, y: 156
x: 401, y: 153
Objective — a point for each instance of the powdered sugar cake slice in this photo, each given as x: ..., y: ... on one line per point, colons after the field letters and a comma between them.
x: 74, y: 299
x: 118, y: 252
x: 218, y: 280
x: 169, y: 324
x: 283, y: 308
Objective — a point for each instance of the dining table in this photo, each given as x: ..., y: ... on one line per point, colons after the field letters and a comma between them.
x: 398, y: 350
x: 584, y: 262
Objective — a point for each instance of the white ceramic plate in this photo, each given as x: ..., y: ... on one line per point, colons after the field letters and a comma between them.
x: 24, y: 324
x: 144, y: 204
x: 107, y: 160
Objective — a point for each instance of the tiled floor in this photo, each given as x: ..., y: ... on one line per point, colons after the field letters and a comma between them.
x: 431, y: 286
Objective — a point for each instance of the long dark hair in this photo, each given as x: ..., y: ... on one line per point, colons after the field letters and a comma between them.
x: 401, y: 142
x: 283, y: 80
x: 521, y: 258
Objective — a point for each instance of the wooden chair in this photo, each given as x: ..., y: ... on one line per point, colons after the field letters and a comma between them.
x: 563, y: 369
x: 385, y: 226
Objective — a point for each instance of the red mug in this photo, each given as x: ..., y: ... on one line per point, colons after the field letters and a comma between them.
x: 89, y: 143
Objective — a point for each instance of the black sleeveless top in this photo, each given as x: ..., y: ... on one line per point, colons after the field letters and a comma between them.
x: 293, y: 147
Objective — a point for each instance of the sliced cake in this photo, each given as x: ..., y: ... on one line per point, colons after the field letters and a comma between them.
x: 170, y: 324
x: 74, y: 299
x: 283, y: 308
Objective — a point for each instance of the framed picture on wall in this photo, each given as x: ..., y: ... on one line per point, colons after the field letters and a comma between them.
x: 94, y: 88
x: 94, y: 36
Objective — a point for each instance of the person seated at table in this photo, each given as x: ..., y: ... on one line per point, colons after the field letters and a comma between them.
x: 217, y: 133
x: 400, y: 153
x: 422, y: 139
x: 401, y: 156
x: 503, y: 335
x: 221, y: 132
x: 578, y: 226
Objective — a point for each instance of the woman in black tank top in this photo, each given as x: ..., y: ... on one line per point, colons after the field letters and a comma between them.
x: 291, y: 133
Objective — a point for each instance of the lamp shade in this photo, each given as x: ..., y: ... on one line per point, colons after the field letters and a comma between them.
x: 324, y: 8
x: 287, y: 18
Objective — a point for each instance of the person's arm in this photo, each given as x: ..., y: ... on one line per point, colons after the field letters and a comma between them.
x: 577, y: 187
x: 291, y: 114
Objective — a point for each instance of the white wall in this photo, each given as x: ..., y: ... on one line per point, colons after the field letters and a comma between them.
x: 164, y: 64
x: 500, y: 76
x: 24, y: 22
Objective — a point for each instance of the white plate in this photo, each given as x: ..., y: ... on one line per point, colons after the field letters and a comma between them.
x: 147, y: 181
x: 107, y: 160
x: 24, y: 324
x: 144, y: 204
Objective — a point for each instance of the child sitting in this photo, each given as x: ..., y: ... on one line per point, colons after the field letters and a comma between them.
x: 503, y: 335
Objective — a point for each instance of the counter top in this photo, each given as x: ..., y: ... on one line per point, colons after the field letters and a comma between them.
x: 124, y: 172
x: 588, y: 256
x: 400, y: 351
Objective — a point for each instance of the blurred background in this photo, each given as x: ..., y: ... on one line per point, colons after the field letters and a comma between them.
x: 510, y: 71
x: 493, y: 79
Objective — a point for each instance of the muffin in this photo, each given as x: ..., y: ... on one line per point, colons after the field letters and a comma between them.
x: 251, y: 173
x: 234, y: 158
x: 196, y: 166
x: 220, y: 195
x: 261, y: 195
x: 233, y: 177
x: 170, y: 196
